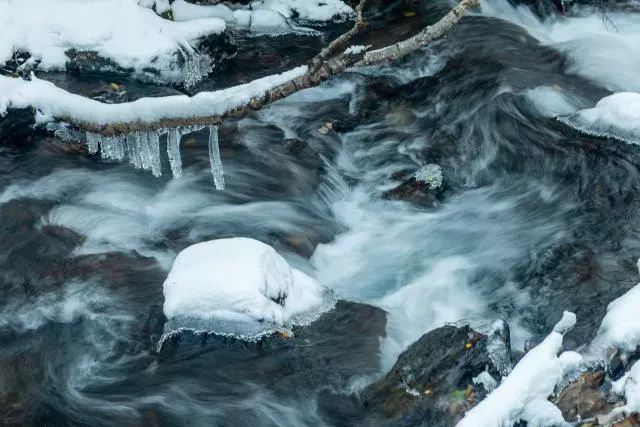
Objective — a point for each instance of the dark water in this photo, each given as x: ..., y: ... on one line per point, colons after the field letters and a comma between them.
x: 535, y: 219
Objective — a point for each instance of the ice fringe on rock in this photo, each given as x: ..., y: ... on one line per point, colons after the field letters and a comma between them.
x: 523, y: 395
x: 214, y: 157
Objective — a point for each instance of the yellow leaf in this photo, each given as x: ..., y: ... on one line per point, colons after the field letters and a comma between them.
x: 409, y: 14
x: 114, y: 86
x: 189, y: 141
x: 557, y: 87
x: 468, y: 345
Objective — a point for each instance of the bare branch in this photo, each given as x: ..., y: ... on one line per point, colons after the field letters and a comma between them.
x: 424, y: 37
x: 341, y: 41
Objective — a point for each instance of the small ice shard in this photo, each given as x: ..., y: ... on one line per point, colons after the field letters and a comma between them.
x: 214, y: 157
x: 112, y: 147
x: 153, y: 139
x: 133, y: 150
x: 93, y: 142
x: 173, y: 152
x: 143, y: 149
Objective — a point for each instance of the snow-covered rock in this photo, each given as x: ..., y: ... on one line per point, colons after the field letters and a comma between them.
x: 523, y: 394
x: 239, y: 286
x: 615, y: 116
x: 620, y: 326
x: 123, y: 33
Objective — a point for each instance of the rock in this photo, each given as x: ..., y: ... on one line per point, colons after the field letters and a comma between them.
x: 422, y: 188
x: 584, y: 398
x: 432, y: 381
x: 340, y: 345
x: 17, y: 128
x: 620, y: 361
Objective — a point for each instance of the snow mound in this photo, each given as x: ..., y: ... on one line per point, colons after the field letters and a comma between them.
x: 615, y: 116
x: 620, y: 326
x: 129, y: 34
x: 240, y: 287
x: 523, y: 393
x: 629, y: 386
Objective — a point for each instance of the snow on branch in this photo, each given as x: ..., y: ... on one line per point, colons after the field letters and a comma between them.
x: 211, y: 108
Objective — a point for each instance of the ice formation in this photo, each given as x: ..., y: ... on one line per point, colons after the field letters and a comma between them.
x: 143, y: 150
x: 239, y: 286
x: 616, y: 116
x: 523, y: 394
x: 214, y: 157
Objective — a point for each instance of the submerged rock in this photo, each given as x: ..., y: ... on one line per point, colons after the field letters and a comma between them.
x: 422, y: 188
x: 341, y: 344
x: 434, y: 381
x: 17, y: 128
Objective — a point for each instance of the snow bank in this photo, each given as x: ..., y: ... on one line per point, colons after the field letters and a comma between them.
x: 523, y: 394
x: 615, y: 116
x: 620, y: 326
x: 130, y: 35
x: 239, y: 286
x: 266, y: 15
x: 54, y: 102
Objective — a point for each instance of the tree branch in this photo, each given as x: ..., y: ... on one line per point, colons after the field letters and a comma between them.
x: 324, y: 65
x: 424, y: 37
x: 341, y: 41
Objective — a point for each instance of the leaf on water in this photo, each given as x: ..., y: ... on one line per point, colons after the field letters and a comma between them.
x: 114, y: 86
x: 409, y: 14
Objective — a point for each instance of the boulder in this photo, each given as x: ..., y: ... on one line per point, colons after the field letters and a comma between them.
x: 422, y: 188
x: 434, y: 381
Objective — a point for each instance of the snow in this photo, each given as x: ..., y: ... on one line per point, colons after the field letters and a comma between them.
x: 56, y: 102
x: 120, y: 30
x: 239, y: 286
x: 620, y: 326
x: 629, y: 387
x: 523, y: 393
x: 265, y: 16
x: 355, y: 49
x: 615, y: 116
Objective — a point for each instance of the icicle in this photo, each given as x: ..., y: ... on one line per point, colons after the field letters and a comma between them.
x: 133, y: 150
x: 112, y: 147
x: 173, y: 152
x: 214, y: 157
x: 93, y: 142
x: 154, y: 153
x: 143, y: 149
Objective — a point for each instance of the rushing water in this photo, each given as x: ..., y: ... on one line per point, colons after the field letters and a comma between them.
x: 535, y: 219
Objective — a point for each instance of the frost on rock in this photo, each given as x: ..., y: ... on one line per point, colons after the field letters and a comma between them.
x: 430, y: 174
x: 214, y: 158
x: 522, y: 396
x: 112, y: 147
x: 239, y: 286
x: 616, y: 116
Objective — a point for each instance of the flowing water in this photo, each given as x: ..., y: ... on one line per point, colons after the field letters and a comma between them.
x: 535, y: 218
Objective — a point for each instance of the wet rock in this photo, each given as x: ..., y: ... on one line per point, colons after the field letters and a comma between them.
x: 432, y: 383
x: 422, y: 188
x: 584, y: 397
x: 341, y: 344
x: 620, y: 361
x: 17, y: 128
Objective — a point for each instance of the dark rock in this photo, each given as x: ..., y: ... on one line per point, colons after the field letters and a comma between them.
x: 17, y: 128
x: 432, y: 381
x: 332, y: 350
x: 620, y: 361
x: 90, y: 62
